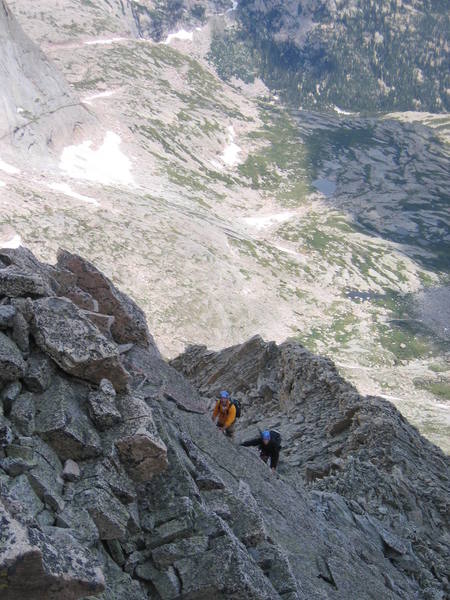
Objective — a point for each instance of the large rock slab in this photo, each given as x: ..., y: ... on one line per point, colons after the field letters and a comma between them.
x: 129, y: 324
x: 39, y: 372
x: 49, y: 567
x: 224, y: 571
x: 7, y: 313
x: 141, y: 450
x: 15, y: 282
x: 75, y: 344
x: 62, y: 422
x: 12, y: 365
x: 102, y: 406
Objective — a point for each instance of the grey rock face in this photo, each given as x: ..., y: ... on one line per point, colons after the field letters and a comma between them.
x: 335, y: 440
x: 39, y: 373
x: 139, y: 446
x: 153, y: 502
x: 62, y: 422
x: 129, y: 324
x: 49, y: 112
x: 15, y: 282
x: 36, y: 565
x: 7, y: 313
x: 102, y: 406
x: 12, y: 365
x: 74, y: 343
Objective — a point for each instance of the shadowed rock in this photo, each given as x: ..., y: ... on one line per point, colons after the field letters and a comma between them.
x: 34, y: 565
x: 12, y: 365
x: 140, y: 448
x: 63, y: 423
x: 14, y: 283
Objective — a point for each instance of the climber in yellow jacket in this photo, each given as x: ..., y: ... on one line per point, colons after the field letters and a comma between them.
x: 225, y: 413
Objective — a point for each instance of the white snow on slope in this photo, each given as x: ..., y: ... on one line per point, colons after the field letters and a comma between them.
x: 181, y: 35
x: 230, y: 155
x: 2, y: 184
x: 68, y: 191
x: 8, y: 168
x: 104, y: 41
x: 13, y: 242
x: 107, y: 164
x: 106, y: 94
x: 340, y: 111
x: 268, y: 220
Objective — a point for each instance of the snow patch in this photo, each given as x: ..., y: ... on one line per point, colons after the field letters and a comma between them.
x: 2, y: 183
x: 265, y: 221
x: 107, y: 164
x: 107, y: 94
x: 231, y: 153
x: 180, y: 35
x: 104, y: 41
x: 68, y: 191
x: 340, y: 111
x: 13, y: 242
x: 6, y: 168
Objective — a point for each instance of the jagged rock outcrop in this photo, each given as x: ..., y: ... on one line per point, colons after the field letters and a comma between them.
x: 123, y: 489
x: 336, y: 441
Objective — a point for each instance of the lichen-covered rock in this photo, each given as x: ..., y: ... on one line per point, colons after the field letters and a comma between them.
x: 39, y: 372
x: 165, y: 506
x: 108, y: 513
x: 130, y: 324
x: 139, y: 446
x: 62, y: 422
x: 102, y: 406
x: 15, y: 282
x: 7, y: 313
x: 12, y: 365
x: 22, y: 414
x: 37, y: 565
x: 21, y: 333
x: 74, y: 343
x: 226, y: 570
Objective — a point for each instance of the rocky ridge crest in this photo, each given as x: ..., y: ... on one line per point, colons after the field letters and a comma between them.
x: 114, y: 484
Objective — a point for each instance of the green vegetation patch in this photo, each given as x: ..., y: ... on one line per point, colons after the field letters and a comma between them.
x: 441, y: 388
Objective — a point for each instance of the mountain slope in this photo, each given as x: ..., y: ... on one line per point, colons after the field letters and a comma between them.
x: 336, y: 441
x: 119, y: 487
x: 38, y: 109
x: 325, y: 228
x: 363, y: 56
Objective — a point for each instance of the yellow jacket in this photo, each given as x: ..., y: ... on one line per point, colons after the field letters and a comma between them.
x: 227, y: 416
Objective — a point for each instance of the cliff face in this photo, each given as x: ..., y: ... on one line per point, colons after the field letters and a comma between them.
x: 357, y: 55
x: 336, y: 442
x: 38, y: 112
x: 115, y: 484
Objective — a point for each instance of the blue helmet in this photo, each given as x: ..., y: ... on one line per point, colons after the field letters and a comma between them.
x: 265, y: 434
x: 224, y: 394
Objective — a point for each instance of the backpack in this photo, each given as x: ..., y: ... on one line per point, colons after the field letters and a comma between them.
x: 275, y: 437
x: 238, y: 407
